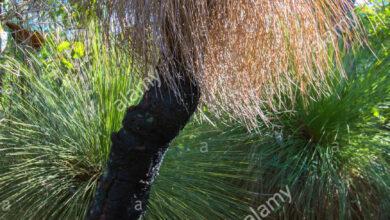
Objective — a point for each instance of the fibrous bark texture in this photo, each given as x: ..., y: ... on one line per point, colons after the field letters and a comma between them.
x: 139, y: 147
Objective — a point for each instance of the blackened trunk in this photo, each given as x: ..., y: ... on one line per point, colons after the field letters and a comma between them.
x: 139, y: 147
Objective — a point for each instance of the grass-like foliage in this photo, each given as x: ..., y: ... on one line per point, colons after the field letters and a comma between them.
x: 334, y: 153
x: 202, y: 176
x: 55, y: 139
x: 56, y: 122
x: 59, y: 107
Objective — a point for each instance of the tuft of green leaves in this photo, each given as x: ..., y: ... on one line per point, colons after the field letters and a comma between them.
x: 55, y: 138
x: 55, y: 128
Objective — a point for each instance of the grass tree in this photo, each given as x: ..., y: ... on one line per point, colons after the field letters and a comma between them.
x: 235, y: 58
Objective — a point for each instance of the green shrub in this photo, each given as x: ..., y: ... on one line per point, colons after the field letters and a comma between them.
x: 56, y: 138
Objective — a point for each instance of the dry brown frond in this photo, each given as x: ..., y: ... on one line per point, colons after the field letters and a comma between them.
x: 247, y: 55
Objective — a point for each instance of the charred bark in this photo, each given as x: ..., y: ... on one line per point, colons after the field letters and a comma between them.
x: 139, y: 147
